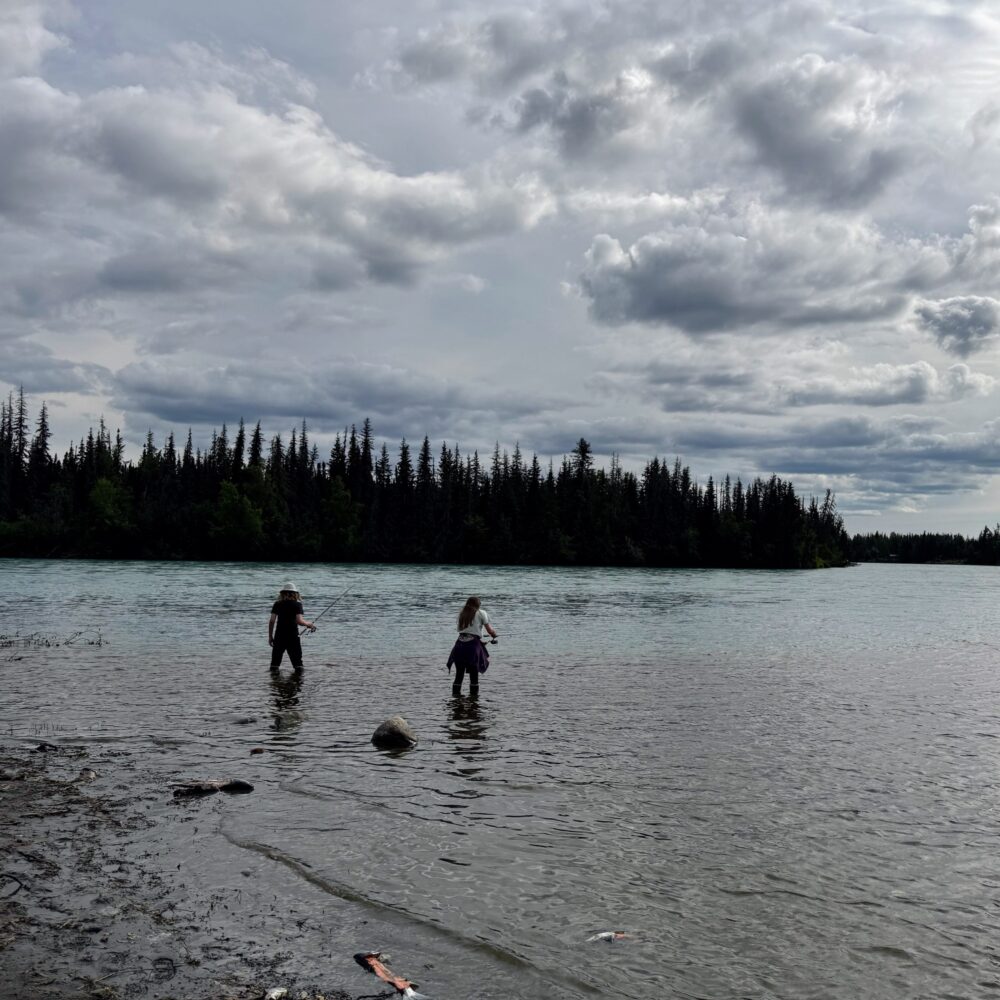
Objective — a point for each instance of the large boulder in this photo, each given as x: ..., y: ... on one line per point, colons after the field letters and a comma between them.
x: 394, y: 734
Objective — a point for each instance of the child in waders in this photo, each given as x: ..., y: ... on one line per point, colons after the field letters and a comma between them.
x: 469, y: 654
x: 283, y: 627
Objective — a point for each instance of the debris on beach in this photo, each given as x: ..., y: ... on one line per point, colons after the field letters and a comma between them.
x: 60, y: 750
x: 278, y: 993
x: 192, y: 788
x: 375, y: 963
x: 609, y: 936
x: 394, y: 734
x: 89, y: 909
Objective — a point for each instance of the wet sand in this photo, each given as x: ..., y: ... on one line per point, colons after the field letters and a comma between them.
x: 111, y: 889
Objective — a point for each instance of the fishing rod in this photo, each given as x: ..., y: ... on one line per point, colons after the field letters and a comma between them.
x: 324, y: 611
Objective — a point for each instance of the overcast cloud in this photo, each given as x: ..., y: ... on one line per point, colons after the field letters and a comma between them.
x: 763, y: 237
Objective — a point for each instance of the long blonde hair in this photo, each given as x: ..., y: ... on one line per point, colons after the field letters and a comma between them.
x: 467, y: 613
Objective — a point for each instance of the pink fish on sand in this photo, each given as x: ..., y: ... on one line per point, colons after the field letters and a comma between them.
x: 375, y: 963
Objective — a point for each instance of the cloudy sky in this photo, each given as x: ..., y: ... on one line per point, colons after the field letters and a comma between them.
x: 762, y: 236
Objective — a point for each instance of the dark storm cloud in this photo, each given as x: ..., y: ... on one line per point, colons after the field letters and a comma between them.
x: 497, y: 51
x: 804, y: 124
x: 71, y: 284
x: 886, y: 385
x: 730, y: 273
x: 962, y: 325
x: 983, y: 124
x: 580, y: 121
x: 335, y: 272
x: 400, y: 401
x: 575, y: 76
x: 896, y: 456
x: 166, y: 268
x: 715, y: 382
x: 37, y: 160
x: 49, y: 292
x: 843, y: 432
x: 153, y: 144
x: 694, y: 71
x: 882, y: 464
x: 40, y: 371
x: 816, y: 102
x: 729, y: 266
x: 435, y: 59
x: 679, y: 387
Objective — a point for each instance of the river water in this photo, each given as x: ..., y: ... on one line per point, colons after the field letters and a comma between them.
x: 778, y: 784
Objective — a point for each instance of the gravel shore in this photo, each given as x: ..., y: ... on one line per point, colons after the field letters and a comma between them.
x: 110, y: 889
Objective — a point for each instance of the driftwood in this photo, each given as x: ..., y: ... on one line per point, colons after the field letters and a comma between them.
x: 190, y: 788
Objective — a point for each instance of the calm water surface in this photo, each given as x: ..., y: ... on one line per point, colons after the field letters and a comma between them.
x: 781, y: 784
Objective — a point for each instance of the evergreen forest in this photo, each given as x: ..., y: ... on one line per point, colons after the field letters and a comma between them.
x: 926, y: 547
x: 244, y: 497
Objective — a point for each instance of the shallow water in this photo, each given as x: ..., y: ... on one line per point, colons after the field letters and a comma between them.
x: 778, y: 784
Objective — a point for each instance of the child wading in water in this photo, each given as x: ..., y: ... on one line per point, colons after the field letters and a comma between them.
x: 283, y: 627
x: 469, y: 654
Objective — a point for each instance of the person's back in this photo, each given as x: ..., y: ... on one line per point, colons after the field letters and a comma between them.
x: 287, y: 610
x: 469, y: 654
x: 475, y: 626
x: 283, y: 627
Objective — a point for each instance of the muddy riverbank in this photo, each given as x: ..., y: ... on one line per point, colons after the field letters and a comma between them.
x: 112, y: 889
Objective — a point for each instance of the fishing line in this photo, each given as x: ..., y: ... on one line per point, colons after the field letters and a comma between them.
x: 324, y: 611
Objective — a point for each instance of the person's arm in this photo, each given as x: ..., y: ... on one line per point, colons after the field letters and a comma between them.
x: 486, y: 625
x: 300, y: 619
x: 270, y: 628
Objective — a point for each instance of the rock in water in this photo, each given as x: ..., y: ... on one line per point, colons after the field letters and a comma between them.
x: 394, y: 734
x: 235, y: 786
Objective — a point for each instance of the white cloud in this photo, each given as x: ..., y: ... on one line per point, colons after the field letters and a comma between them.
x: 24, y: 36
x: 887, y: 385
x: 200, y: 164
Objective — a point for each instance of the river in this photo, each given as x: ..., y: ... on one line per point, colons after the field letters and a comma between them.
x: 778, y: 784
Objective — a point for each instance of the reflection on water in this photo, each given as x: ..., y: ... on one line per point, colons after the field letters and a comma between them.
x: 285, y: 691
x: 781, y: 784
x: 468, y: 729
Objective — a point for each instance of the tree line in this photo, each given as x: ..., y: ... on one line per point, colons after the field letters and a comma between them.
x: 983, y: 550
x: 245, y: 497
